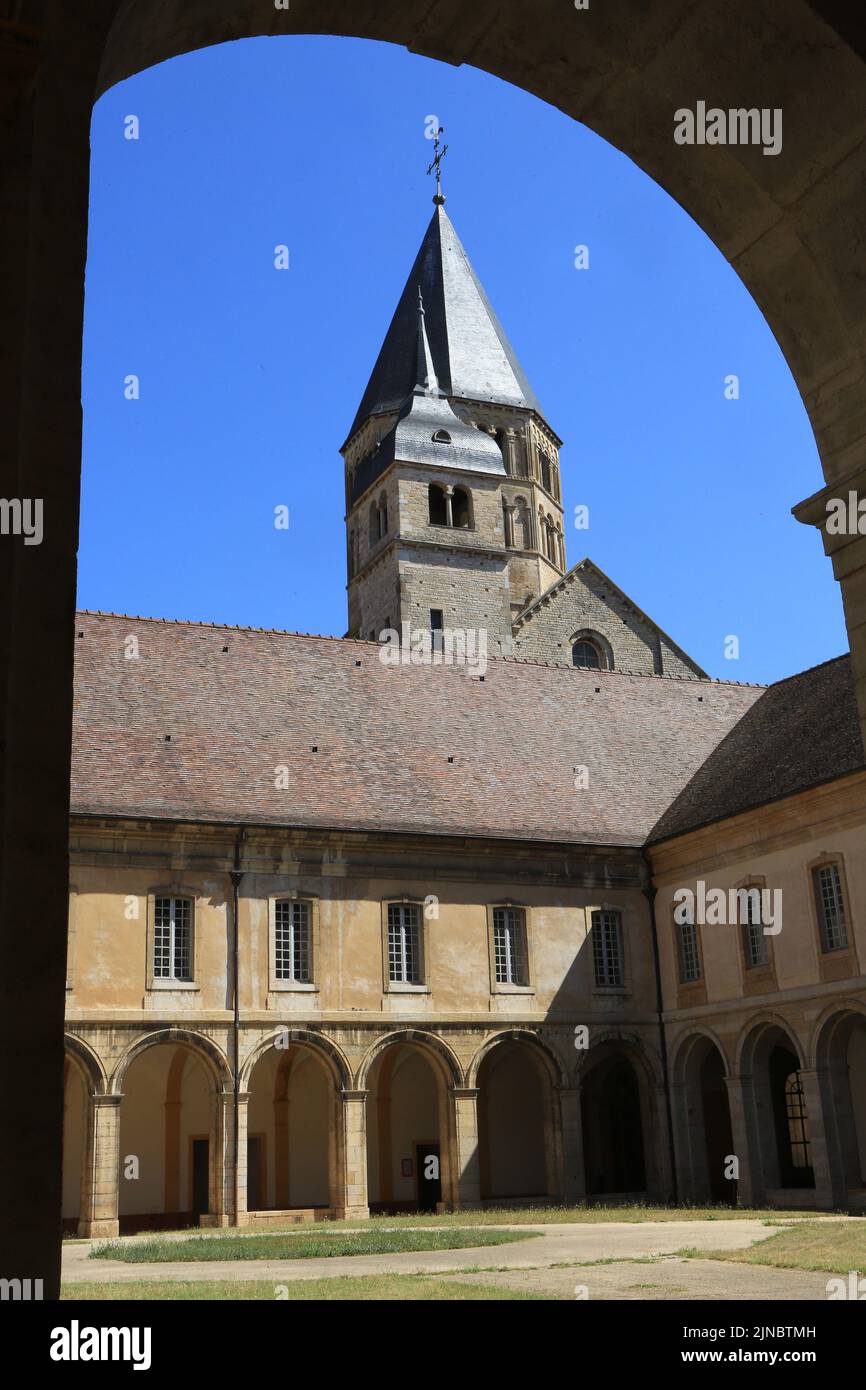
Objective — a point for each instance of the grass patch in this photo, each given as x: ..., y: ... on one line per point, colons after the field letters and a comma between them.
x: 388, y: 1287
x: 302, y: 1245
x: 550, y: 1216
x: 831, y: 1247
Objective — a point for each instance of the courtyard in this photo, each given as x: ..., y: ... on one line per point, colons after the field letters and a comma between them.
x: 581, y: 1254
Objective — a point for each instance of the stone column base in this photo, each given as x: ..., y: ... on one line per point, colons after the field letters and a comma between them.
x: 92, y: 1230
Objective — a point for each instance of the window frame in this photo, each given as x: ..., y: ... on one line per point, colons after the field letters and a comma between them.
x: 844, y: 962
x: 503, y: 986
x: 756, y: 979
x: 275, y: 984
x: 405, y: 986
x: 608, y: 907
x: 158, y: 983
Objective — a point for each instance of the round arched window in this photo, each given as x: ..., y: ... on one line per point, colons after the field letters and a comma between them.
x: 586, y: 655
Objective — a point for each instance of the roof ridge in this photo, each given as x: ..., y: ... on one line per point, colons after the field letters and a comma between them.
x: 365, y: 642
x: 795, y: 675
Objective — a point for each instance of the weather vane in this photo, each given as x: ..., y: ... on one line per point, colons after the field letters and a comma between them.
x: 436, y: 163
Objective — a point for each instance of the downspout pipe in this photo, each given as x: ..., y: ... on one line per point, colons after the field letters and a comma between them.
x: 650, y: 894
x: 236, y: 873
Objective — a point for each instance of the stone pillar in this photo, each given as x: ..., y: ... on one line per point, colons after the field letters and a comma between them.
x: 101, y: 1168
x: 352, y: 1189
x: 449, y: 504
x: 223, y: 1182
x: 688, y: 1137
x: 508, y: 508
x: 510, y: 441
x: 845, y: 545
x: 574, y: 1173
x: 464, y: 1124
x: 750, y: 1184
x: 824, y: 1167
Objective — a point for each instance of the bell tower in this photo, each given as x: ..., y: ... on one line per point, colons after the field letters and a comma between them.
x: 453, y: 502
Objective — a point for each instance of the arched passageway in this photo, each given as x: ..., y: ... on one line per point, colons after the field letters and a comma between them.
x: 513, y: 1125
x: 703, y: 1120
x: 75, y: 1117
x: 841, y: 1065
x: 291, y: 1132
x: 407, y: 1131
x: 613, y: 1128
x: 779, y: 1119
x: 166, y: 1150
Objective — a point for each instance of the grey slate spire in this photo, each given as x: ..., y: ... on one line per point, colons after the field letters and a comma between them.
x: 471, y: 356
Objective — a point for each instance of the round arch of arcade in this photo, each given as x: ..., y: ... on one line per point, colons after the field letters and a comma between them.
x: 623, y: 1121
x: 284, y: 1039
x: 87, y: 1061
x: 204, y: 1049
x: 701, y: 1114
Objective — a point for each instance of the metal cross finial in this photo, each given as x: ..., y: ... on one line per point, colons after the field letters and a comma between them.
x: 436, y: 163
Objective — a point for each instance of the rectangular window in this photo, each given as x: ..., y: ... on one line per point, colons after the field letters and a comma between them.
x: 754, y: 940
x: 172, y: 939
x: 607, y: 948
x: 293, y: 952
x: 436, y: 627
x: 831, y: 907
x: 404, y: 943
x: 509, y: 946
x: 690, y: 961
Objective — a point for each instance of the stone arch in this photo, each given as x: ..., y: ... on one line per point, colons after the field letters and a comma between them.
x: 445, y: 1059
x: 327, y: 1051
x: 294, y: 1125
x: 780, y: 1110
x: 547, y: 1057
x: 755, y: 1030
x: 88, y: 1062
x: 597, y: 640
x: 520, y: 1142
x: 839, y: 1050
x: 409, y: 1077
x: 624, y: 1127
x: 214, y: 1059
x: 685, y: 1043
x: 642, y: 1056
x: 835, y: 1015
x: 703, y: 1127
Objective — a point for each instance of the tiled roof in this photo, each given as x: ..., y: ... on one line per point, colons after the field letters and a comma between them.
x: 801, y: 732
x: 384, y: 736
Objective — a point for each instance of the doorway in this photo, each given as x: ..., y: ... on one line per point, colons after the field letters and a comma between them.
x: 429, y: 1176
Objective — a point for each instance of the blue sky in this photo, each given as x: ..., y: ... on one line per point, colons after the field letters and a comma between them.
x: 250, y: 377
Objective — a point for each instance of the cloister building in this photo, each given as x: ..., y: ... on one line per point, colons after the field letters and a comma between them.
x: 348, y: 936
